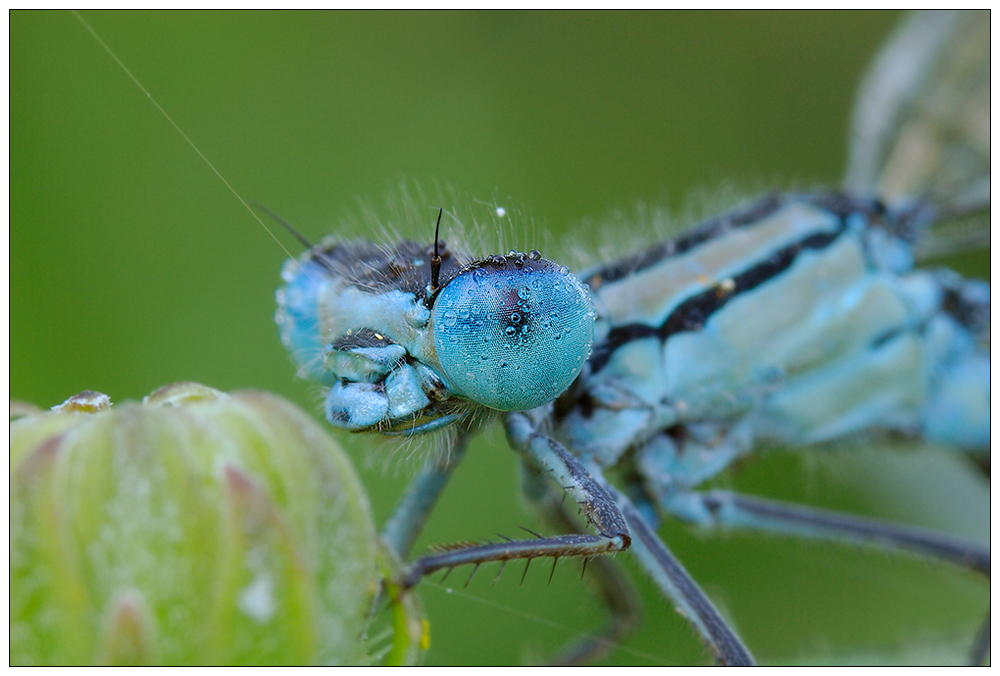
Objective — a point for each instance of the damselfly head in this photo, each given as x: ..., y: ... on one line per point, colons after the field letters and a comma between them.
x: 412, y: 337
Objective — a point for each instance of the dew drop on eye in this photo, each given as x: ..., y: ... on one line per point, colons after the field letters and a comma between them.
x: 534, y: 331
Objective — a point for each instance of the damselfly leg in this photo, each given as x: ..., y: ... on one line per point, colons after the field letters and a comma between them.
x: 607, y: 511
x: 605, y: 575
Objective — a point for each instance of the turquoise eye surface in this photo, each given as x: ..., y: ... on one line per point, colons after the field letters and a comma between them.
x: 512, y: 332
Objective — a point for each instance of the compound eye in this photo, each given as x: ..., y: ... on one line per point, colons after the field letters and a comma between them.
x: 512, y: 332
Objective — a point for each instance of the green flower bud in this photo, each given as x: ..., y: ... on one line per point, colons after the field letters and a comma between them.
x: 195, y: 528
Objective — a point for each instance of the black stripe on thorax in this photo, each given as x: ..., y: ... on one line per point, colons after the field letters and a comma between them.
x: 836, y: 203
x: 693, y: 313
x: 685, y: 241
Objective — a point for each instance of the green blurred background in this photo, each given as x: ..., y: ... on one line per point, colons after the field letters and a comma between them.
x: 132, y: 265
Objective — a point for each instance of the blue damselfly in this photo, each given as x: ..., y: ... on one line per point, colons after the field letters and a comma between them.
x: 228, y: 329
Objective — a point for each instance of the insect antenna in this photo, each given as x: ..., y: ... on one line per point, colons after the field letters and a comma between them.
x: 436, y: 258
x: 319, y: 257
x: 283, y: 223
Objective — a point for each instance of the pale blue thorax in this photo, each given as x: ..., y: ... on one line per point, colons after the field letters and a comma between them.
x: 834, y: 343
